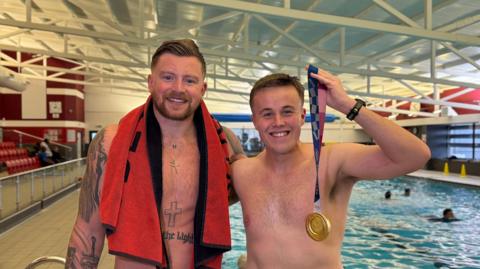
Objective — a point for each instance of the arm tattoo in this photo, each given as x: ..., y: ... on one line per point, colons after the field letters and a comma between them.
x: 90, y: 260
x: 69, y: 263
x: 89, y: 194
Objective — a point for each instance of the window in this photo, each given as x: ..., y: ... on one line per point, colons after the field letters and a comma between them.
x: 464, y: 141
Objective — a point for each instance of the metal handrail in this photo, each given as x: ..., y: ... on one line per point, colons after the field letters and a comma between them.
x: 41, y: 139
x: 41, y: 169
x: 45, y: 259
x: 30, y: 187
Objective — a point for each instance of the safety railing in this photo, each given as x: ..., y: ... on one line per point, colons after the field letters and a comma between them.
x: 22, y: 134
x: 45, y: 259
x: 26, y: 140
x: 22, y: 190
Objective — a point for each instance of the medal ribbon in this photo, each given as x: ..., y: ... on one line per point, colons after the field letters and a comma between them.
x: 318, y: 104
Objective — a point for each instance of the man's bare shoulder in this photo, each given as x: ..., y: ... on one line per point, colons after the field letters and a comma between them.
x: 245, y: 167
x: 255, y: 160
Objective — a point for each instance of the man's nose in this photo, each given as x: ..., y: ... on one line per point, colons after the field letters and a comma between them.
x: 278, y: 120
x: 179, y: 86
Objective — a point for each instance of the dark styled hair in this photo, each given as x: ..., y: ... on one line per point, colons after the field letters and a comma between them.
x: 277, y: 80
x: 446, y: 211
x: 180, y: 47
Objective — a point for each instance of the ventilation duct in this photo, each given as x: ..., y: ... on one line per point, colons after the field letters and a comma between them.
x: 12, y: 80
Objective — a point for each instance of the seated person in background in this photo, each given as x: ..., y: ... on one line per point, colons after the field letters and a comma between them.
x: 388, y: 195
x: 56, y: 156
x: 277, y: 187
x: 44, y: 159
x: 46, y: 144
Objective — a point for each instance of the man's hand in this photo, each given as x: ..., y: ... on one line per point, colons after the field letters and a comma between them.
x: 337, y: 97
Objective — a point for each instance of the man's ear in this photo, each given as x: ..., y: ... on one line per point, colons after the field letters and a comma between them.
x: 253, y: 120
x: 150, y: 83
x: 204, y: 90
x: 304, y: 113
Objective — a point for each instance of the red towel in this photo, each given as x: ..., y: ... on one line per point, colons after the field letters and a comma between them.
x: 133, y: 223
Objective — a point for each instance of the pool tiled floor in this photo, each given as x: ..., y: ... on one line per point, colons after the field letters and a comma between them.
x: 451, y: 177
x: 44, y: 234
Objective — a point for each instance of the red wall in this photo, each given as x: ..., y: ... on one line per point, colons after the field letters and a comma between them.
x: 10, y: 106
x: 472, y: 98
x: 72, y: 107
x: 63, y: 64
x: 388, y: 104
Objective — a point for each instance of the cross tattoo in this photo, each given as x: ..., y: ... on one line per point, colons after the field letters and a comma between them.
x: 174, y: 166
x: 172, y: 212
x: 90, y: 261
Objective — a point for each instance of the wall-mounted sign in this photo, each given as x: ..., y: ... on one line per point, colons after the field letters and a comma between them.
x: 55, y: 107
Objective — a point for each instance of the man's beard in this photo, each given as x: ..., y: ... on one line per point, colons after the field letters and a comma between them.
x: 174, y: 115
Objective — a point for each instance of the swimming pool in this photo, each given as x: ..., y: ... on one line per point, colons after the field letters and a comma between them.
x: 397, y: 233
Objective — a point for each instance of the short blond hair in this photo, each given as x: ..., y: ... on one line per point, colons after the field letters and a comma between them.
x: 276, y: 80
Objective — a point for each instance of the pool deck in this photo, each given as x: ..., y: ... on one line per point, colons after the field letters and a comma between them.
x: 451, y: 177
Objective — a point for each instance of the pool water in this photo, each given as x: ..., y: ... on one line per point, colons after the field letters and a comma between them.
x: 396, y: 233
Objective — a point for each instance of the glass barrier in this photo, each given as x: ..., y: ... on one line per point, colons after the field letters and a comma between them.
x: 21, y: 190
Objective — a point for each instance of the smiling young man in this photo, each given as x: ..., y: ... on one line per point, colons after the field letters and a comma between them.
x: 156, y: 184
x: 277, y: 187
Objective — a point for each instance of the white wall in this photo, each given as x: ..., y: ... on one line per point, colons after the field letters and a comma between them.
x: 106, y: 107
x: 34, y: 100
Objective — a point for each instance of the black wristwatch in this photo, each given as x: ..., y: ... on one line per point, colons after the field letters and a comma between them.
x: 356, y: 108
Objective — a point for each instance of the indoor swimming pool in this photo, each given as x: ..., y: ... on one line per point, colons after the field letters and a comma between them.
x: 397, y: 233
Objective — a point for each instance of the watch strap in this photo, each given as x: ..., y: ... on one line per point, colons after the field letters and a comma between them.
x: 355, y: 109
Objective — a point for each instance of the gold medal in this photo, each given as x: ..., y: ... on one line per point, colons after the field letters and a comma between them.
x: 318, y: 226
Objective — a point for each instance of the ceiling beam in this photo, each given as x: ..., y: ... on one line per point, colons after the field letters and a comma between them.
x: 72, y: 56
x: 428, y: 25
x: 72, y: 71
x: 80, y: 82
x: 414, y: 100
x: 403, y: 111
x: 453, y: 26
x: 109, y: 22
x: 296, y: 14
x: 293, y: 39
x: 341, y: 69
x: 71, y: 31
x: 457, y: 94
x: 205, y: 22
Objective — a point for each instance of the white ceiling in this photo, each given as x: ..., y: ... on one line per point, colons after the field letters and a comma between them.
x: 383, y: 50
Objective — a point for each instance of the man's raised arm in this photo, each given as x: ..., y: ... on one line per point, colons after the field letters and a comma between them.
x: 87, y: 238
x: 397, y: 151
